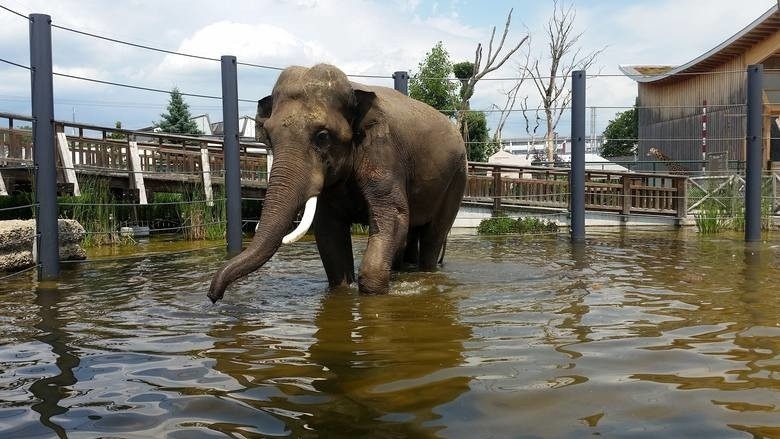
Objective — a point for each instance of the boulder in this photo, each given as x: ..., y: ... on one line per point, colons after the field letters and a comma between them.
x: 17, y: 240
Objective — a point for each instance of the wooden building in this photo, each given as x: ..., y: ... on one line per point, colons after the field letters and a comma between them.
x: 673, y: 100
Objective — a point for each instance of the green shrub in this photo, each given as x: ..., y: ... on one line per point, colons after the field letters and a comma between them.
x: 502, y: 225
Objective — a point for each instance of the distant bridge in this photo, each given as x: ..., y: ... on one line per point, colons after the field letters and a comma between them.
x: 138, y: 163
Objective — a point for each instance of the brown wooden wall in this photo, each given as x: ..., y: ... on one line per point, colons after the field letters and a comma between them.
x: 670, y: 113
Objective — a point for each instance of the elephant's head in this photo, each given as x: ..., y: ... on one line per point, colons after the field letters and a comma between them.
x: 312, y: 122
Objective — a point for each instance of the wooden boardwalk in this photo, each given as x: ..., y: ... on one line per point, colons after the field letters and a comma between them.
x: 145, y: 162
x: 135, y: 162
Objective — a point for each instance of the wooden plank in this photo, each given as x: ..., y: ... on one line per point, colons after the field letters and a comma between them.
x: 3, y: 189
x: 206, y: 176
x: 136, y: 173
x: 65, y: 158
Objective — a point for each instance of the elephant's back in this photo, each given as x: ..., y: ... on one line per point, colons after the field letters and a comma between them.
x: 417, y: 124
x: 434, y: 155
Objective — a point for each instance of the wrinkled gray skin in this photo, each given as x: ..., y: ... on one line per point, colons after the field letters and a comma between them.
x: 373, y: 156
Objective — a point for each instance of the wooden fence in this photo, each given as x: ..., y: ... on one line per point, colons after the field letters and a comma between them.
x: 139, y: 157
x: 610, y: 191
x: 143, y: 156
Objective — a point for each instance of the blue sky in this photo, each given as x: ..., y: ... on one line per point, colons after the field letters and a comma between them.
x: 361, y: 37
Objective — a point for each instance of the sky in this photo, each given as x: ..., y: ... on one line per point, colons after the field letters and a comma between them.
x: 359, y: 36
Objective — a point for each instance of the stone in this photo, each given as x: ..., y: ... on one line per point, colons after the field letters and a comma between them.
x: 16, y: 243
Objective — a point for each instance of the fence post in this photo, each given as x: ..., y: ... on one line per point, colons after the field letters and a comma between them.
x: 47, y: 242
x: 231, y: 154
x: 497, y: 192
x: 754, y: 147
x: 401, y: 82
x: 577, y: 174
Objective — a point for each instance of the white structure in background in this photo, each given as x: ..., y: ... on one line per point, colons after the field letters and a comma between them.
x: 527, y: 146
x: 246, y: 127
x: 592, y: 161
x: 509, y: 159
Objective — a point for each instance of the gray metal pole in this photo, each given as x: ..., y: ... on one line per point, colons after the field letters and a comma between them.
x: 43, y: 147
x: 754, y: 147
x: 231, y: 151
x: 577, y: 175
x: 401, y: 82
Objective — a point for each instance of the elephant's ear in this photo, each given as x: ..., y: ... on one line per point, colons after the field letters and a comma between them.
x: 263, y: 113
x: 364, y: 102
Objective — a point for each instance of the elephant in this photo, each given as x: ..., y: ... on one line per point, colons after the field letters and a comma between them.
x: 349, y: 153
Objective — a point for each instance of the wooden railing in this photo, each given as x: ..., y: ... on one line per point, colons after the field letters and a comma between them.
x: 173, y: 157
x: 612, y: 191
x: 102, y: 150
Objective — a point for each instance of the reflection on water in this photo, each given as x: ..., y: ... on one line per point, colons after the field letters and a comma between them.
x: 51, y: 390
x: 641, y: 334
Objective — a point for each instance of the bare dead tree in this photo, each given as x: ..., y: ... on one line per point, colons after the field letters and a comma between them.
x: 531, y: 127
x: 505, y: 111
x: 492, y: 63
x: 565, y: 57
x: 511, y: 99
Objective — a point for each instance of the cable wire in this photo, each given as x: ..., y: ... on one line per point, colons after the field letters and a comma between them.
x: 14, y: 64
x: 15, y: 12
x: 136, y: 87
x: 17, y: 273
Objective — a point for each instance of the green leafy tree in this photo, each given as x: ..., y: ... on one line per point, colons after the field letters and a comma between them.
x: 463, y: 71
x: 621, y: 134
x: 479, y: 146
x: 430, y: 84
x: 178, y: 119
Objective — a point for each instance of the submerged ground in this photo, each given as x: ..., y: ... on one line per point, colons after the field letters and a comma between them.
x: 648, y: 334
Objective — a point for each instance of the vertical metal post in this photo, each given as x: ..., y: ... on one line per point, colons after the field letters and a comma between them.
x: 754, y: 152
x: 401, y: 82
x: 577, y: 174
x: 230, y: 149
x: 47, y: 242
x: 704, y: 136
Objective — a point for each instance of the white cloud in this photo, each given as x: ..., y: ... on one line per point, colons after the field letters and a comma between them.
x: 259, y: 43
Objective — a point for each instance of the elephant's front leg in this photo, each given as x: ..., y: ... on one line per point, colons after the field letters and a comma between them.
x: 388, y: 230
x: 334, y: 243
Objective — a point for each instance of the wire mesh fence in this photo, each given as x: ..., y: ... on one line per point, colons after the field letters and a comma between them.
x: 679, y: 168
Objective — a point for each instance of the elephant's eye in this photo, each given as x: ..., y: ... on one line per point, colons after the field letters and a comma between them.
x: 322, y: 138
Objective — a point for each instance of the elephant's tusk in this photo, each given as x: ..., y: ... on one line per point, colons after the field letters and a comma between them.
x: 306, y: 220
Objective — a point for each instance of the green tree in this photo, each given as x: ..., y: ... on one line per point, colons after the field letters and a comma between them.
x: 114, y: 134
x: 463, y: 71
x: 479, y: 147
x: 621, y: 134
x: 431, y: 84
x: 178, y: 119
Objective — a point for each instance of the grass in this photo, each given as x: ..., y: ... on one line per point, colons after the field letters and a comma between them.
x: 95, y: 210
x: 502, y: 225
x: 725, y: 208
x: 199, y: 220
x: 359, y: 229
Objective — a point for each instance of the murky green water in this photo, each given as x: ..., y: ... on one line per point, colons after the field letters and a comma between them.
x: 657, y: 334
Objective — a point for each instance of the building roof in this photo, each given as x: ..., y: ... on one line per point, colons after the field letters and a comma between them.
x: 765, y: 25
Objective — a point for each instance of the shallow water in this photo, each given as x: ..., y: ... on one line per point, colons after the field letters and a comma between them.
x: 641, y: 334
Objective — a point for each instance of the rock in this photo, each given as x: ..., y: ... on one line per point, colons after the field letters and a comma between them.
x: 16, y: 243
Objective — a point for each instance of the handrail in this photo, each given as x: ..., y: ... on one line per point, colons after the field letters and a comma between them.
x: 560, y: 170
x: 130, y: 133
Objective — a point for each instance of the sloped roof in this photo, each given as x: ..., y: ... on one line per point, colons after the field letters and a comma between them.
x: 762, y: 27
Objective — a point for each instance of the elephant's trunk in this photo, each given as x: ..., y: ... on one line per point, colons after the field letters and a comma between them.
x: 289, y: 186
